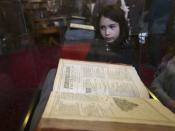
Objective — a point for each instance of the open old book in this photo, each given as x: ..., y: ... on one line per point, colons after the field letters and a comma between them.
x: 99, y: 96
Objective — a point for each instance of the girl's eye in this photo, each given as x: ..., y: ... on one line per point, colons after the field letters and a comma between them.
x: 102, y: 27
x: 112, y: 26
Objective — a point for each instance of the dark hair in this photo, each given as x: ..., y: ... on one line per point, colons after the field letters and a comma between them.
x: 115, y: 13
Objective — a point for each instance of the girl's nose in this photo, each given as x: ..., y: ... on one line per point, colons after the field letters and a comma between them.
x: 107, y: 31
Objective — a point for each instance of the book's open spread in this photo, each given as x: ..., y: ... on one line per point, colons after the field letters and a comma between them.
x: 99, y: 96
x: 98, y: 79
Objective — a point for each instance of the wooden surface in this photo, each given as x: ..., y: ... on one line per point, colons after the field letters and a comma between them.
x: 49, y: 30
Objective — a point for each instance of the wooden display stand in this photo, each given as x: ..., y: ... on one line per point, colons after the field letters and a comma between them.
x: 43, y: 29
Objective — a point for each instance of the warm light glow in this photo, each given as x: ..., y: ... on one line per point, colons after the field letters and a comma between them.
x: 153, y: 96
x: 26, y: 119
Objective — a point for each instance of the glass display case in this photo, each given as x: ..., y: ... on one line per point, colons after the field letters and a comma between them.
x: 35, y: 34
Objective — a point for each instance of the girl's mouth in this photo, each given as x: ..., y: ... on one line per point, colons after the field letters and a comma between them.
x: 109, y: 39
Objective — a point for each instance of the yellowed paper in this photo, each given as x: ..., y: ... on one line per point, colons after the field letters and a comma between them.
x: 98, y: 79
x: 69, y: 106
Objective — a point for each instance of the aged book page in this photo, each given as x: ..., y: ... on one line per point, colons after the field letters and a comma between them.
x: 98, y: 79
x: 91, y: 108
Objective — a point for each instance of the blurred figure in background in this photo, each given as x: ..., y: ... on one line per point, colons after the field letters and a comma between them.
x: 92, y: 8
x: 163, y: 86
x: 158, y: 17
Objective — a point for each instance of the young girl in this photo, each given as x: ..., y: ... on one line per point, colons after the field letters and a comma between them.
x: 112, y: 33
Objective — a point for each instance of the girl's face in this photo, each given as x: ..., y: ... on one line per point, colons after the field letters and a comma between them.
x: 109, y: 29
